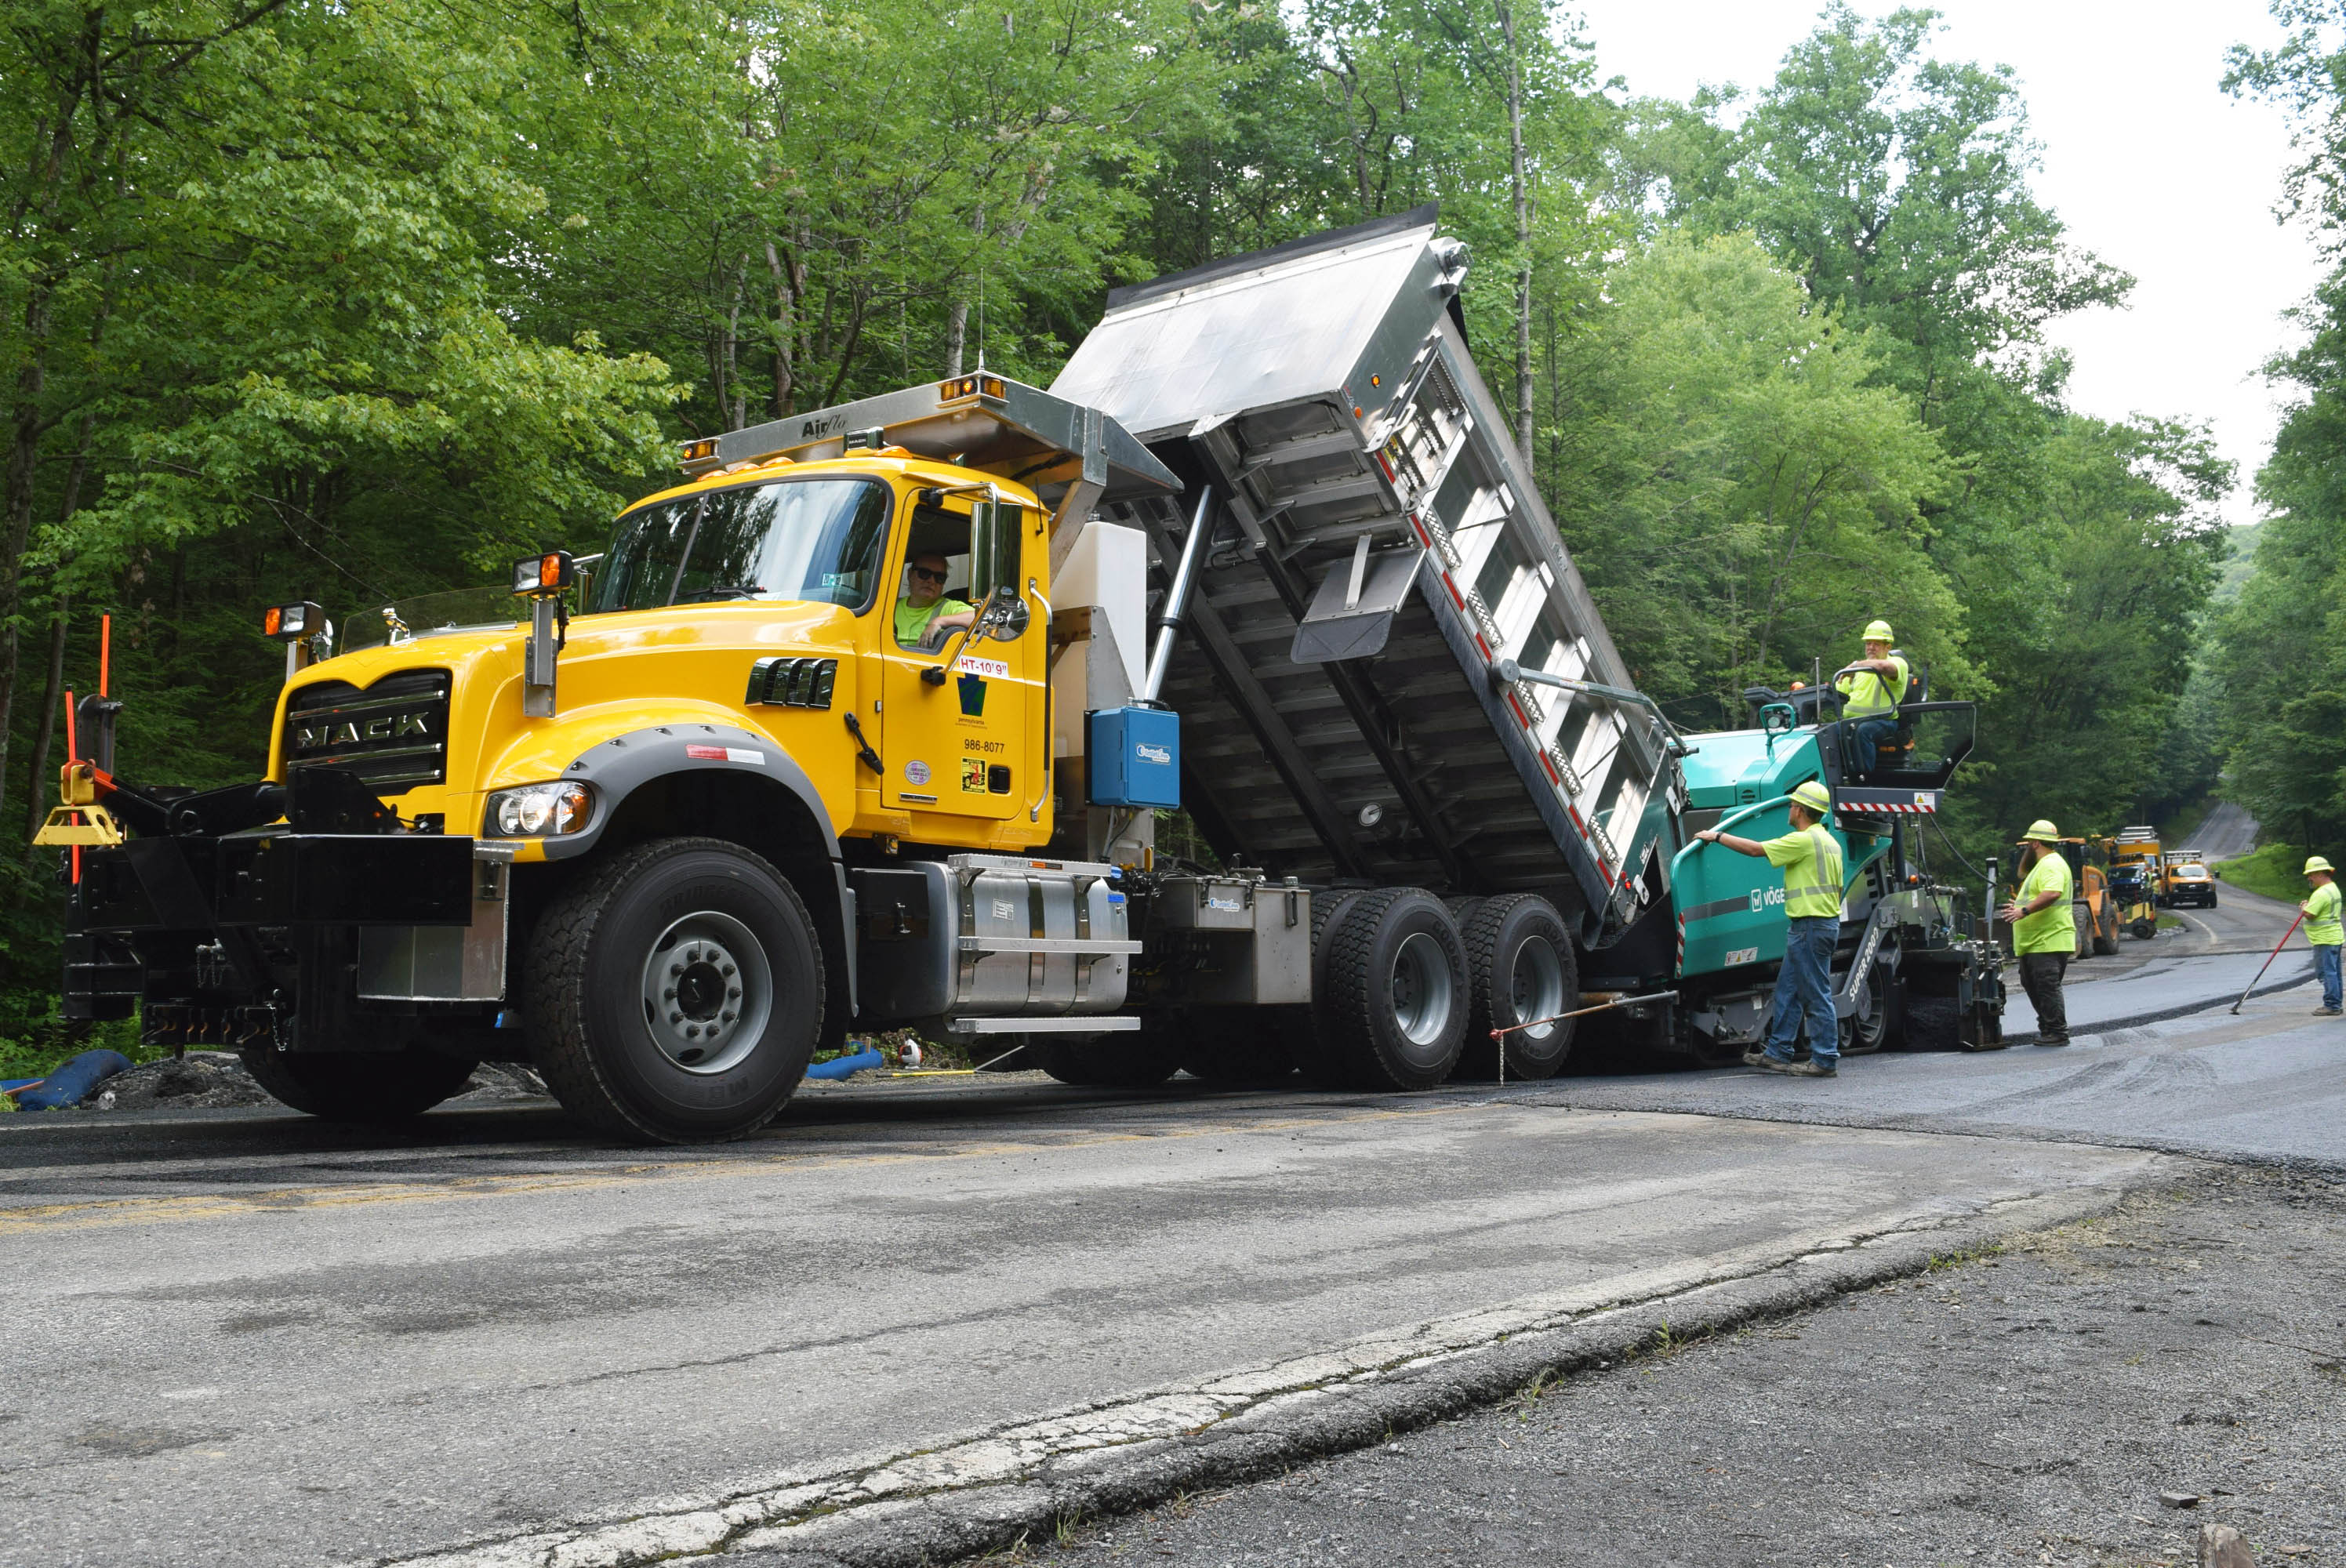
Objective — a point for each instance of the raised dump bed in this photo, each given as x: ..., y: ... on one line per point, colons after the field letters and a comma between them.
x: 1377, y: 554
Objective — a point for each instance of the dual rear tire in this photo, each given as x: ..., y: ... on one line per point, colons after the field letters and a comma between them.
x: 1407, y: 998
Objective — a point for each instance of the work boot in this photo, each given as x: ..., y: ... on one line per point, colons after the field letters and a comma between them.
x: 1811, y: 1070
x: 2054, y: 1040
x: 2329, y: 1012
x: 1767, y: 1063
x: 1755, y: 1056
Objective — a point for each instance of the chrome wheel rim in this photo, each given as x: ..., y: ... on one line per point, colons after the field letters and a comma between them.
x: 1536, y: 987
x: 707, y: 992
x: 1422, y: 994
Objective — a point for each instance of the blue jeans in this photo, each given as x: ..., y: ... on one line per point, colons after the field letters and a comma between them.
x: 2325, y: 964
x: 1804, y: 990
x: 1867, y: 737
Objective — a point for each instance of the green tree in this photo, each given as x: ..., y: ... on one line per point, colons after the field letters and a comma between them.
x: 1742, y: 492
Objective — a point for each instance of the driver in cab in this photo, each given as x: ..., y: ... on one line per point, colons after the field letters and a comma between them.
x: 924, y: 612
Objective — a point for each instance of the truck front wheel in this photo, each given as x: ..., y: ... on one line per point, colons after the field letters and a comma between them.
x: 675, y: 993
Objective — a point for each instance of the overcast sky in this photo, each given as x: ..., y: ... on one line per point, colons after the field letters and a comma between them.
x: 2151, y: 165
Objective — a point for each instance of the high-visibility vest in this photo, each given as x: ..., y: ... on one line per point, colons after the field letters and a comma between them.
x: 2322, y: 927
x: 2053, y: 928
x: 1869, y: 693
x: 1812, y: 883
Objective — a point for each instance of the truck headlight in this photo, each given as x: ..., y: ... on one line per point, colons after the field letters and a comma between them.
x: 538, y: 810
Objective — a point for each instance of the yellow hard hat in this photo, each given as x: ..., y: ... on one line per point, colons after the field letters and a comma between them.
x: 2315, y: 864
x: 1812, y: 795
x: 2042, y: 831
x: 1878, y: 632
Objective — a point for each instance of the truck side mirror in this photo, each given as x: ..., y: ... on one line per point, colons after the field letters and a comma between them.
x: 994, y: 562
x: 992, y: 547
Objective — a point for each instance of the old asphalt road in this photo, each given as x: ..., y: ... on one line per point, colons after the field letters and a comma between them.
x: 911, y: 1322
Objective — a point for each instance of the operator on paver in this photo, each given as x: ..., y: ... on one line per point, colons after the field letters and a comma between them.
x: 1873, y: 687
x: 2324, y: 931
x: 2044, y: 929
x: 924, y: 610
x: 1811, y: 860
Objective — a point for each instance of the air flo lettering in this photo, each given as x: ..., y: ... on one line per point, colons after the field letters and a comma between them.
x: 355, y: 732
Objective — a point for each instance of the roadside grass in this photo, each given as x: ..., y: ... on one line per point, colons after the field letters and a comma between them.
x: 2271, y: 871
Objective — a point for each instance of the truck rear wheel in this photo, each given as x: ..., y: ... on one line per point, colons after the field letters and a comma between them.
x: 1519, y: 966
x: 1393, y: 1012
x: 675, y: 993
x: 358, y: 1087
x: 1319, y: 1063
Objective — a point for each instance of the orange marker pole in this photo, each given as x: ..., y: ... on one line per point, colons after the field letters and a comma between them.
x: 105, y: 651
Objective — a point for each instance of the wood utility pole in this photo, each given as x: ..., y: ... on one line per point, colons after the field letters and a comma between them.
x: 1524, y: 404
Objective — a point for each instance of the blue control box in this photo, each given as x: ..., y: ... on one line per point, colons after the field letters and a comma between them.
x: 1135, y: 756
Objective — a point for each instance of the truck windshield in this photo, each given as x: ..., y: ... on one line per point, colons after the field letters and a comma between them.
x: 803, y: 539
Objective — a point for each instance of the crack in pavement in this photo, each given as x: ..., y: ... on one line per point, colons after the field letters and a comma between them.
x: 985, y: 1489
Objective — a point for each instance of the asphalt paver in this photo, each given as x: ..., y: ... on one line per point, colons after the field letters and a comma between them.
x: 2087, y: 1397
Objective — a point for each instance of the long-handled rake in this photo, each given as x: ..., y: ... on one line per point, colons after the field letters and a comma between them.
x: 2269, y: 957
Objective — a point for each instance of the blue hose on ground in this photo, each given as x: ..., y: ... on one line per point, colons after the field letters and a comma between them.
x: 73, y: 1081
x: 840, y: 1067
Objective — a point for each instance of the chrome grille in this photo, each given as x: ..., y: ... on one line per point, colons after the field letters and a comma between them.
x: 393, y: 734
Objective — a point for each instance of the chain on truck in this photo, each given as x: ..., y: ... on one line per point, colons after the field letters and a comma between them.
x: 667, y: 820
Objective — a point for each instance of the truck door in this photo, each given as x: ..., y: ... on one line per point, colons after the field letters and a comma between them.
x: 956, y: 720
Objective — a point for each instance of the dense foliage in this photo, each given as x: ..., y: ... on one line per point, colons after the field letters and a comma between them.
x: 354, y: 301
x: 2278, y: 663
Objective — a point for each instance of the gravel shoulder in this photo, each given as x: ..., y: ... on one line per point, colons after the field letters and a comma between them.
x: 2086, y: 1396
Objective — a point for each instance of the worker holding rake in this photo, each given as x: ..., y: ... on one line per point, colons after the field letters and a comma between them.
x: 2324, y: 932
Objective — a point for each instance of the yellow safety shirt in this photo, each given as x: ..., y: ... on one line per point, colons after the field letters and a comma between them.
x: 2053, y: 928
x: 913, y: 620
x: 1869, y: 693
x: 1811, y: 863
x: 2322, y: 927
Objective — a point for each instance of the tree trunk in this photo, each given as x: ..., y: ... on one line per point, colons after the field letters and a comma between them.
x: 36, y: 789
x: 27, y: 428
x: 1524, y: 405
x: 734, y: 403
x: 786, y: 288
x: 956, y: 334
x: 45, y: 726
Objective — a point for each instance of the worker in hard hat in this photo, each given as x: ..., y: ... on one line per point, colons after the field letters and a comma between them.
x: 1872, y: 688
x: 1811, y: 860
x: 2044, y: 930
x: 2324, y: 932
